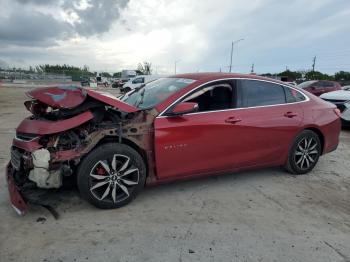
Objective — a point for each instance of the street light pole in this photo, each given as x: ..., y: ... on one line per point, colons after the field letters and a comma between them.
x: 233, y: 43
x: 176, y: 61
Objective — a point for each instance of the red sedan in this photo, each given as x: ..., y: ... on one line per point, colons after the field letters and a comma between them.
x: 173, y: 128
x: 320, y: 87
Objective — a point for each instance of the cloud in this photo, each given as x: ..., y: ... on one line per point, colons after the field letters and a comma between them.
x: 45, y: 22
x: 32, y: 28
x: 37, y: 2
x: 118, y: 34
x: 94, y: 16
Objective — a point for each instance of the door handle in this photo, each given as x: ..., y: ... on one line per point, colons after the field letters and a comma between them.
x: 232, y: 120
x: 290, y: 114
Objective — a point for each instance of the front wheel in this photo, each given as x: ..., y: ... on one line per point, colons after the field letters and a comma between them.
x: 111, y: 176
x: 304, y: 153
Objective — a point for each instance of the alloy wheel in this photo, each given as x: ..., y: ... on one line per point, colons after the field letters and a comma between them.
x: 113, y: 180
x: 306, y: 153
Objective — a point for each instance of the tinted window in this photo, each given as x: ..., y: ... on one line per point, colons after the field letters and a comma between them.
x: 318, y: 85
x: 293, y: 95
x: 259, y: 93
x: 328, y: 84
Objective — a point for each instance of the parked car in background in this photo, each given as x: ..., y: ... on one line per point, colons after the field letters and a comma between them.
x: 172, y: 128
x: 126, y: 75
x: 320, y: 87
x: 341, y: 99
x: 138, y: 81
x: 117, y: 83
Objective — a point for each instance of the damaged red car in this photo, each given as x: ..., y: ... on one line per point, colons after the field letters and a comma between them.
x: 173, y: 128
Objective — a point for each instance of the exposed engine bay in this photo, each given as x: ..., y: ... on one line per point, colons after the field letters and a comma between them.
x: 66, y: 124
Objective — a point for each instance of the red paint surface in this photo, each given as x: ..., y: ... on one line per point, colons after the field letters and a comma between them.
x: 230, y: 139
x: 44, y: 127
x: 112, y: 101
x: 59, y: 96
x: 185, y: 107
x: 29, y: 146
x: 15, y: 197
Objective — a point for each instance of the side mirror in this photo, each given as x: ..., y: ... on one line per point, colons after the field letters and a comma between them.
x: 184, y: 108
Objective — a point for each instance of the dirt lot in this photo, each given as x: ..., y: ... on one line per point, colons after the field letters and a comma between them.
x: 265, y: 215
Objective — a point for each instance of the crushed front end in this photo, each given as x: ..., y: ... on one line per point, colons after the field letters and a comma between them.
x: 65, y: 125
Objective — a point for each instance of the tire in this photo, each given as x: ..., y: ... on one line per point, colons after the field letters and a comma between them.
x: 126, y: 89
x: 111, y: 175
x: 304, y: 153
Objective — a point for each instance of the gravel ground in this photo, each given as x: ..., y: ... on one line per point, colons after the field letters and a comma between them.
x: 266, y: 215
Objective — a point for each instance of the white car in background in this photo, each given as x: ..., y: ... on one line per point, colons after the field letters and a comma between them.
x: 139, y: 81
x: 341, y: 99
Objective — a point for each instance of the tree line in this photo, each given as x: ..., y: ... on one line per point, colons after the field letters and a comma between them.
x: 340, y: 76
x: 145, y: 68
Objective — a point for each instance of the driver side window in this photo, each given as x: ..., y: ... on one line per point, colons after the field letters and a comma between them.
x: 213, y: 97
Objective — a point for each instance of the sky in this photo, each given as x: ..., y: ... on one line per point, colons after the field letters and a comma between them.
x: 111, y: 35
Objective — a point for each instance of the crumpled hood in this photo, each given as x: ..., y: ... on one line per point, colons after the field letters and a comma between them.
x: 59, y: 96
x: 68, y: 97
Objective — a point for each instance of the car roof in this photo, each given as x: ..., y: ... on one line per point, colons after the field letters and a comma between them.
x: 218, y: 76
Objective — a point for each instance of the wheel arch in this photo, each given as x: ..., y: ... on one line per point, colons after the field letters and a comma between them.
x: 113, y: 139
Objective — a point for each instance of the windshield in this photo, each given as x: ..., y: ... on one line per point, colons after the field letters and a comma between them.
x: 306, y: 84
x: 155, y: 92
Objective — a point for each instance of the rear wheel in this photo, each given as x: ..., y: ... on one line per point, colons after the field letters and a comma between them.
x: 304, y: 153
x: 111, y: 176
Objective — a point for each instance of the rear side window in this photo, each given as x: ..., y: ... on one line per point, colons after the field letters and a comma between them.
x: 293, y: 95
x: 328, y: 84
x: 260, y: 93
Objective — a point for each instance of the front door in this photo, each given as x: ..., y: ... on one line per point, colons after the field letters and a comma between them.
x: 198, y: 142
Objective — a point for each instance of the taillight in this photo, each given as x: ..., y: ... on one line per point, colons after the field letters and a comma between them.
x: 337, y: 112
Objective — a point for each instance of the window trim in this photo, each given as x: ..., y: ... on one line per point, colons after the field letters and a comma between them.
x: 163, y: 113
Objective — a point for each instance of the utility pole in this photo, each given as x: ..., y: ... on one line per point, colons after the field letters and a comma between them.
x: 176, y: 61
x: 233, y: 43
x: 252, y: 70
x: 314, y: 64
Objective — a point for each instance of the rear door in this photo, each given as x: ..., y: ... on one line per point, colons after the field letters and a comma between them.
x: 270, y: 117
